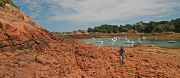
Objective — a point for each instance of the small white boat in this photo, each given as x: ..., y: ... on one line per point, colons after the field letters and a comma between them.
x: 143, y: 37
x: 113, y: 39
x: 139, y: 40
x: 172, y: 41
x: 99, y: 41
x: 128, y: 42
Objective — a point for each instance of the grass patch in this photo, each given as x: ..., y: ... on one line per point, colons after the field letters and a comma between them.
x: 114, y: 64
x: 131, y: 72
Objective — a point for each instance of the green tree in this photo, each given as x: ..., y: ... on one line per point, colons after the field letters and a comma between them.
x: 150, y: 27
x: 120, y: 28
x: 82, y: 31
x: 141, y: 29
x: 104, y: 31
x: 115, y: 28
x: 159, y: 28
x: 124, y: 29
x: 177, y: 25
x: 1, y: 3
x: 169, y: 28
x: 137, y: 26
x: 128, y: 26
x: 96, y: 29
x: 108, y: 28
x: 163, y: 22
x: 90, y: 29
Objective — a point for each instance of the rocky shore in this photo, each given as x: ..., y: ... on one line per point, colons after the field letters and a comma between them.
x: 75, y: 59
x: 27, y: 50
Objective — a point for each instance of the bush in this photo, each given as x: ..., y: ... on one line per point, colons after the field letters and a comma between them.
x: 2, y: 3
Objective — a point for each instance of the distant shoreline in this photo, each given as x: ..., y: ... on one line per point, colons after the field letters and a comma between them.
x: 110, y: 35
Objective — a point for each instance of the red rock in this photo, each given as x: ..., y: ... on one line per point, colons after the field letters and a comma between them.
x: 22, y: 38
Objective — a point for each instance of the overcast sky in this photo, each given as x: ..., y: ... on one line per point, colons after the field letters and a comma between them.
x: 69, y: 15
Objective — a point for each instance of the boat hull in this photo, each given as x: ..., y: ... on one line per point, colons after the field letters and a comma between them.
x: 129, y: 42
x: 172, y: 41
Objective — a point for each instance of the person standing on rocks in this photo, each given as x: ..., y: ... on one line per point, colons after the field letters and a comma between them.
x: 122, y: 53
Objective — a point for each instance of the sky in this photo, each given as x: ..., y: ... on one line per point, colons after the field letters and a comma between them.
x: 69, y: 15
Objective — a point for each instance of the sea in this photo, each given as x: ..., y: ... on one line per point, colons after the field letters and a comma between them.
x: 120, y: 41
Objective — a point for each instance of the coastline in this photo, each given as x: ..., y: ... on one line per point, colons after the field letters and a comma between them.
x: 110, y: 35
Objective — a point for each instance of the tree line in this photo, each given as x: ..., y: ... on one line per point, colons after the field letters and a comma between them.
x: 3, y: 2
x: 151, y: 27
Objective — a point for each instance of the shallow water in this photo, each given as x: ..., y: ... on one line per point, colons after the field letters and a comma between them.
x: 120, y: 42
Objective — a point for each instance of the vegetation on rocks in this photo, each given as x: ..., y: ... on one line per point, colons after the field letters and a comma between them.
x: 3, y: 2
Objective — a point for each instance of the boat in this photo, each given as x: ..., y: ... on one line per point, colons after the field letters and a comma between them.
x: 143, y: 37
x: 172, y: 41
x: 113, y: 39
x: 128, y: 42
x: 99, y: 41
x: 139, y: 40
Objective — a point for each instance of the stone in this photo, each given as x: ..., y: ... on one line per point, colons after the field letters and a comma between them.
x: 32, y: 51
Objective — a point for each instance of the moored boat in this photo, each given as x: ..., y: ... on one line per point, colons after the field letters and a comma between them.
x: 113, y: 39
x: 139, y: 40
x: 143, y: 37
x: 172, y: 41
x: 128, y: 42
x: 99, y: 41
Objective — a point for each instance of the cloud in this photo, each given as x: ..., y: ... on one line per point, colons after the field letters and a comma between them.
x: 30, y: 7
x: 89, y: 11
x: 97, y: 10
x: 100, y: 10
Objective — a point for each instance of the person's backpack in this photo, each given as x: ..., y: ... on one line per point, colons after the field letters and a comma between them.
x: 122, y: 51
